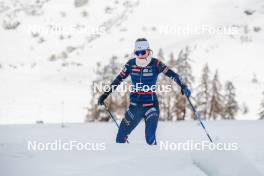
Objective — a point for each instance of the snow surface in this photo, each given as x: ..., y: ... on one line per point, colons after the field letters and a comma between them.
x: 135, y: 158
x: 48, y: 90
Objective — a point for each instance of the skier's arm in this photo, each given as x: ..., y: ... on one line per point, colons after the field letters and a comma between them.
x: 120, y: 77
x: 176, y: 77
x: 169, y: 73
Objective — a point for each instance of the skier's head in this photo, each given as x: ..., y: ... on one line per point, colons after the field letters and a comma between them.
x: 142, y: 50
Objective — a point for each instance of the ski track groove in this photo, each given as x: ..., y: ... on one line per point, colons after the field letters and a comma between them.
x: 202, y: 170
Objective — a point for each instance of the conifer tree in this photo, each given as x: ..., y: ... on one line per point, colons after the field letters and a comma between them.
x: 116, y: 101
x: 184, y: 69
x: 167, y: 98
x: 231, y: 105
x: 216, y: 103
x: 161, y: 55
x: 261, y: 113
x: 203, y: 93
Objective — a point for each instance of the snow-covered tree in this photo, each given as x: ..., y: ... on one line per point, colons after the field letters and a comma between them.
x: 167, y: 99
x: 261, y: 113
x: 161, y: 55
x: 117, y: 100
x: 244, y: 108
x: 94, y: 112
x: 80, y: 3
x: 216, y: 102
x: 231, y: 105
x: 183, y: 66
x: 184, y: 69
x: 203, y: 93
x: 254, y: 79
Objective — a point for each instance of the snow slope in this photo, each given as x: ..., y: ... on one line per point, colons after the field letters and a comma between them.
x: 35, y: 88
x: 135, y: 158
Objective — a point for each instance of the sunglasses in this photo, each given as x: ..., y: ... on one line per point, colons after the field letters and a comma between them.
x: 140, y: 52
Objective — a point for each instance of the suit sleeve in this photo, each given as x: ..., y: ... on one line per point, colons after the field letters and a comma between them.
x: 121, y: 76
x: 162, y: 68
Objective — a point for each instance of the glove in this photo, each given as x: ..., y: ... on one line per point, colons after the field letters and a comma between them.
x: 185, y: 90
x: 102, y: 98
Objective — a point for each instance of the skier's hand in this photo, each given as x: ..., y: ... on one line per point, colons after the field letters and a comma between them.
x: 102, y: 98
x: 185, y: 90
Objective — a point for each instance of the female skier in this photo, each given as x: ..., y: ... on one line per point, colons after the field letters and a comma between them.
x: 144, y: 71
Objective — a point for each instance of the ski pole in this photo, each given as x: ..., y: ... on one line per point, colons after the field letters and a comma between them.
x: 111, y: 115
x: 198, y: 117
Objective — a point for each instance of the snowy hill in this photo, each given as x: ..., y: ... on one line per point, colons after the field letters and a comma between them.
x: 135, y: 158
x: 46, y: 74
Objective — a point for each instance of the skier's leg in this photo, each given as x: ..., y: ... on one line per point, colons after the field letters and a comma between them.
x: 127, y: 124
x: 151, y: 123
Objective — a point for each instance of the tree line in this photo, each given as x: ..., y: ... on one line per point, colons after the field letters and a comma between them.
x: 212, y: 99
